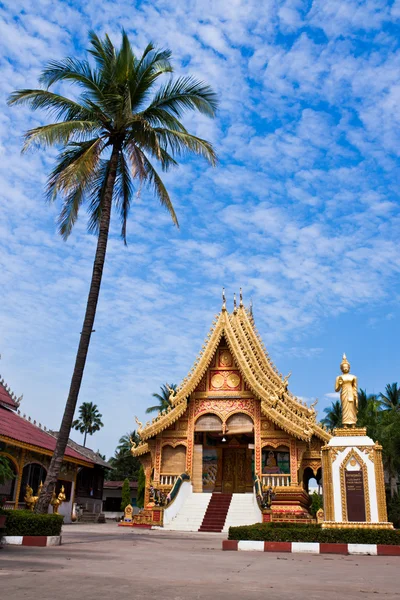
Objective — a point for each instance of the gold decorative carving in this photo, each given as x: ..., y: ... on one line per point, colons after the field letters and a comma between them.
x: 233, y: 380
x: 354, y: 455
x: 217, y: 380
x: 276, y: 442
x: 355, y: 525
x: 380, y: 483
x: 350, y: 431
x: 329, y: 508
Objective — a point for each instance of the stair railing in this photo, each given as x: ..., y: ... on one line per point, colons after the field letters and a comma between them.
x: 176, y: 487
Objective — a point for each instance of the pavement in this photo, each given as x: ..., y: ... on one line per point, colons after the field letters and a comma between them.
x: 103, y: 561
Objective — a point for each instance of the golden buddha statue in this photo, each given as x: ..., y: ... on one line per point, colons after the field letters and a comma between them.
x: 346, y: 384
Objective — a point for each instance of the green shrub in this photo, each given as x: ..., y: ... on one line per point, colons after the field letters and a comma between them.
x: 25, y: 522
x: 316, y: 503
x: 291, y: 532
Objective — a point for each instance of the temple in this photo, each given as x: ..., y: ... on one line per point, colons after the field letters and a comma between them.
x: 28, y: 447
x: 235, y: 430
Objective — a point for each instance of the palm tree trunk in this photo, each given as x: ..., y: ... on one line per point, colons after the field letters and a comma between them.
x: 63, y: 435
x: 84, y: 439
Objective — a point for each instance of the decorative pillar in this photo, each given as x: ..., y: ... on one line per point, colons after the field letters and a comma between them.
x: 380, y: 483
x: 157, y: 462
x: 293, y: 463
x: 257, y: 439
x: 19, y: 480
x: 327, y: 484
x: 190, y: 440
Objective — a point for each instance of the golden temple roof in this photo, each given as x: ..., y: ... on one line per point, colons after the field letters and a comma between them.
x: 257, y: 369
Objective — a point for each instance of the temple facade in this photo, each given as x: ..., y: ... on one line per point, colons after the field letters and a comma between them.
x: 232, y: 423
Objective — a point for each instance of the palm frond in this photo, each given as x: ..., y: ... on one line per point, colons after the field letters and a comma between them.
x: 58, y: 106
x: 104, y: 54
x: 122, y: 192
x: 98, y: 187
x: 73, y: 70
x: 159, y: 188
x: 75, y: 168
x: 186, y: 93
x: 60, y: 133
x: 181, y: 143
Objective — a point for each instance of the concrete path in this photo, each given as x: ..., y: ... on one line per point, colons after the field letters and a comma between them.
x: 99, y: 562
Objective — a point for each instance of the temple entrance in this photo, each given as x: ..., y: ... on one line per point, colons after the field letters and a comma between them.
x: 224, y: 454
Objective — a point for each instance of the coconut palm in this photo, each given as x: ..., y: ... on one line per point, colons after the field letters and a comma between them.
x: 369, y: 408
x: 163, y: 398
x: 391, y: 398
x: 333, y: 416
x: 123, y: 463
x: 110, y: 135
x: 89, y: 420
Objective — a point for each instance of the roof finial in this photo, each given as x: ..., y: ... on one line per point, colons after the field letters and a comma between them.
x: 234, y: 302
x: 223, y: 299
x: 240, y: 297
x: 251, y: 307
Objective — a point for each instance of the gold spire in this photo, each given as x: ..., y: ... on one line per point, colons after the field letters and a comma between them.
x: 223, y: 299
x: 240, y: 298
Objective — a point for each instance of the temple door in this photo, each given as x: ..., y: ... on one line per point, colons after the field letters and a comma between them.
x: 234, y: 471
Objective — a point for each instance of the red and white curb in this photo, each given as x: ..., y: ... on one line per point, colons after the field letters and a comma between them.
x: 311, y: 548
x: 31, y: 540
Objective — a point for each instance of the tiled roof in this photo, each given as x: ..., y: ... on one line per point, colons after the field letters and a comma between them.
x: 87, y: 452
x: 116, y: 485
x: 5, y: 397
x: 16, y: 427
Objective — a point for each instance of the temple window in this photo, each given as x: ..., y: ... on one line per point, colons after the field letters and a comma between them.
x: 173, y: 460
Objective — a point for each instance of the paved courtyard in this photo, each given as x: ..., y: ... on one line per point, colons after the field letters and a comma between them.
x: 99, y: 562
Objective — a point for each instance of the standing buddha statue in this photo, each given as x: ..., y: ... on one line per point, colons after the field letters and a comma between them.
x: 346, y: 384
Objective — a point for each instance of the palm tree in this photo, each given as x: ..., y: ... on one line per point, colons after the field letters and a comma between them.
x: 123, y: 463
x: 389, y: 436
x: 333, y: 415
x: 108, y: 135
x: 163, y: 398
x: 391, y: 398
x: 369, y: 411
x: 89, y: 420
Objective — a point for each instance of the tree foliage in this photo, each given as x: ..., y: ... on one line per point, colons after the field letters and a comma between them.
x: 6, y: 472
x: 141, y: 488
x: 126, y: 494
x: 124, y: 464
x: 162, y: 398
x: 89, y: 420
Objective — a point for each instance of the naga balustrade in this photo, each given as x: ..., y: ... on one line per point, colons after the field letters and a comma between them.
x: 276, y: 480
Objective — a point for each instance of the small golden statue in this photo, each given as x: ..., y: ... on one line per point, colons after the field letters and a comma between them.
x: 320, y: 515
x: 57, y: 500
x: 347, y: 385
x: 29, y: 498
x: 128, y: 513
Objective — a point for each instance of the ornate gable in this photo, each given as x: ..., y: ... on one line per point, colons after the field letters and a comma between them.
x: 233, y: 361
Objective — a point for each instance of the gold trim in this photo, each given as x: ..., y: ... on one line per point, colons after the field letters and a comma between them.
x: 40, y: 450
x: 350, y: 431
x: 327, y: 483
x: 342, y: 469
x: 19, y: 481
x: 380, y: 484
x: 355, y: 525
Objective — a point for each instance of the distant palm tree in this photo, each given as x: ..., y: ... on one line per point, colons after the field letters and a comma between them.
x: 369, y: 410
x: 391, y: 398
x: 333, y: 415
x: 163, y: 399
x: 110, y: 134
x: 89, y: 420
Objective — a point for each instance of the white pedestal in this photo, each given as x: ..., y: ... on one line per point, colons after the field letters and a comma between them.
x: 353, y: 482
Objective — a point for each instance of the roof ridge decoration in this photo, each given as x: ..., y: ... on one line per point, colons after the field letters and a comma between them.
x: 258, y: 370
x: 13, y: 396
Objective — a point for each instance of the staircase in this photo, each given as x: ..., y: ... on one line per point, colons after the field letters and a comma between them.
x: 88, y: 517
x: 191, y: 514
x: 217, y: 510
x: 243, y: 510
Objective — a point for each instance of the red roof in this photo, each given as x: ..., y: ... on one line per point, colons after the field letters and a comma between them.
x: 16, y: 427
x: 6, y: 398
x: 118, y: 484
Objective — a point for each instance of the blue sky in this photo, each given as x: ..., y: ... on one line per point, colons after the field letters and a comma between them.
x: 302, y: 210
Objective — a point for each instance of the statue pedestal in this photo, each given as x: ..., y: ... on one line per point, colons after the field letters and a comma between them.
x: 353, y: 481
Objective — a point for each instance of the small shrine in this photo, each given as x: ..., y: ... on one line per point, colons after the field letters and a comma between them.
x: 233, y: 428
x: 353, y: 478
